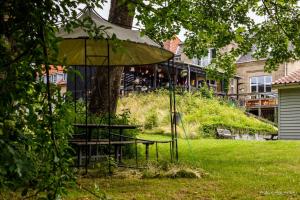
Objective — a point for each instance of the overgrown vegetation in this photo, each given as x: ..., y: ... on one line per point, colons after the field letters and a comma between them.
x: 200, y: 116
x: 35, y: 121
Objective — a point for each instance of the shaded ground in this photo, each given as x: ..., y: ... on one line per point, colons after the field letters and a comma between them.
x: 237, y: 170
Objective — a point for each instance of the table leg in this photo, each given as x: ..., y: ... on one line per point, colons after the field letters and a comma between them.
x: 120, y: 149
x: 90, y: 152
x: 116, y: 152
x: 136, y: 154
x: 156, y: 151
x: 147, y: 152
x: 78, y: 156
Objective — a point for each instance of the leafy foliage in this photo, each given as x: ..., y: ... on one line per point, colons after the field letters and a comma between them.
x: 222, y: 68
x: 33, y: 141
x: 35, y: 156
x: 215, y: 24
x: 206, y: 92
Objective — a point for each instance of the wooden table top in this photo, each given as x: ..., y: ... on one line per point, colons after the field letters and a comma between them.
x: 101, y: 142
x: 113, y: 126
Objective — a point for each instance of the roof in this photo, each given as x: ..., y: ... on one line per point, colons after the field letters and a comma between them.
x: 54, y: 69
x: 249, y: 56
x: 292, y: 78
x: 246, y: 58
x: 172, y: 45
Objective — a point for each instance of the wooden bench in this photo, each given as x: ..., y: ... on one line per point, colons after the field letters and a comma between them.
x: 273, y: 137
x: 224, y: 134
x: 81, y: 143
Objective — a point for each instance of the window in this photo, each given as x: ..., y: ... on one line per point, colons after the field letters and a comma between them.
x: 51, y: 78
x: 65, y: 76
x: 60, y: 77
x: 54, y: 78
x: 212, y: 84
x: 45, y: 79
x: 206, y: 60
x: 261, y: 84
x: 232, y: 86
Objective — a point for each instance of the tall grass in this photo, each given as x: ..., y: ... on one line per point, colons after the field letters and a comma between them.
x: 199, y: 116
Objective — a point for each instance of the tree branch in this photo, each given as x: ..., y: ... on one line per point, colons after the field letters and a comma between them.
x: 274, y: 16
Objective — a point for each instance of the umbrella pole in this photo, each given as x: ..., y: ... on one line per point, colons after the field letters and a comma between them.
x: 109, y: 108
x: 171, y: 111
x: 174, y: 108
x: 75, y: 93
x: 86, y: 108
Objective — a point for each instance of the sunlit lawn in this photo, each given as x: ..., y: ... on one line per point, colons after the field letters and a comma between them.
x: 237, y: 170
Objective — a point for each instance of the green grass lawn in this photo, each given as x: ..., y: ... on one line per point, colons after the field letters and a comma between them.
x: 237, y: 170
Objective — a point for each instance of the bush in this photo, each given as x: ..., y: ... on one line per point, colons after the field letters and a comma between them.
x: 151, y: 121
x: 206, y: 92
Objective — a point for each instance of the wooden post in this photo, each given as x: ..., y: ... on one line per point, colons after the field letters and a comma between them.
x: 155, y: 77
x: 237, y: 89
x: 189, y: 78
x: 275, y: 115
x: 175, y: 76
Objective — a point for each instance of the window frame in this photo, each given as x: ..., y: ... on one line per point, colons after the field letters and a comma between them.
x: 265, y: 83
x: 54, y: 78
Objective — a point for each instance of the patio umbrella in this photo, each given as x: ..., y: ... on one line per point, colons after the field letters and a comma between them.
x: 131, y: 49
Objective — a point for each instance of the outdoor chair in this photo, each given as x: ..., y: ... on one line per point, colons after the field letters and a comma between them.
x: 272, y: 137
x: 224, y: 134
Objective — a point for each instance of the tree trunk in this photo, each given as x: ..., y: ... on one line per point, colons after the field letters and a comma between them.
x: 118, y: 14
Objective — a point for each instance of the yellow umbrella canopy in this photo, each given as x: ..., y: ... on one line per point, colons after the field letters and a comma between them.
x: 77, y: 48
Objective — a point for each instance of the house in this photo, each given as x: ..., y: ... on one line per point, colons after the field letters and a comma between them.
x: 288, y: 105
x: 254, y: 88
x: 58, y: 77
x: 190, y: 74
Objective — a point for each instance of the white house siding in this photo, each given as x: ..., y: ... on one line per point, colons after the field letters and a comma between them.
x: 289, y: 113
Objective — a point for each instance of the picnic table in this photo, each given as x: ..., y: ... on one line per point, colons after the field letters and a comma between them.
x: 88, y: 142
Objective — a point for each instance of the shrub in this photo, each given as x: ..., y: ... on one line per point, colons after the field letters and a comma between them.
x: 151, y: 121
x: 206, y: 92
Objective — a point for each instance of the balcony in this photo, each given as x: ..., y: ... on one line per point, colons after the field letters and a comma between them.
x: 259, y: 100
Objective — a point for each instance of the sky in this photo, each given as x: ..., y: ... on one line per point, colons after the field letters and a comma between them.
x: 105, y: 10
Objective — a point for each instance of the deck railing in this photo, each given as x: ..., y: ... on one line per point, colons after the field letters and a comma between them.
x: 253, y: 100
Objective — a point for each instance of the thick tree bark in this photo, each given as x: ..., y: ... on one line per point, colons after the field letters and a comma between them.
x: 118, y: 14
